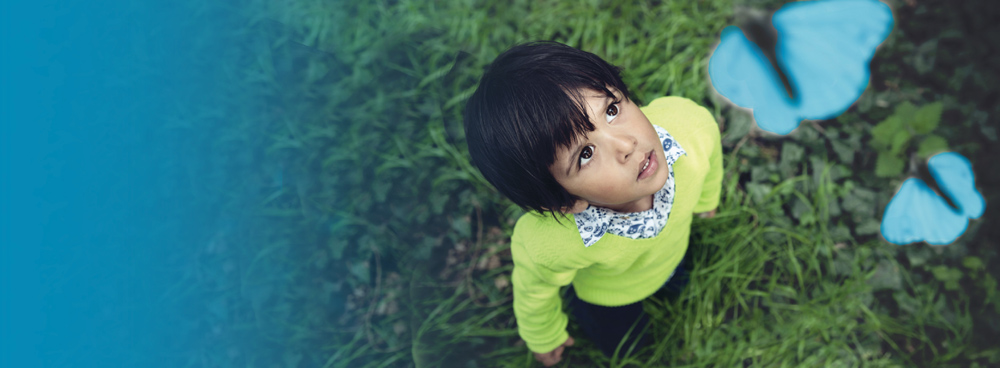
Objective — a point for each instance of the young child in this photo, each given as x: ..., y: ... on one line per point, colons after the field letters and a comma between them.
x: 611, y: 189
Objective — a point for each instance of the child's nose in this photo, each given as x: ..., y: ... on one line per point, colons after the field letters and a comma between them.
x: 625, y: 145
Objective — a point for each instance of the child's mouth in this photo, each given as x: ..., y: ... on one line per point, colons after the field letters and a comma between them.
x: 648, y: 167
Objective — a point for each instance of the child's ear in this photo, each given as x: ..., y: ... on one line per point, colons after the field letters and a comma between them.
x: 577, y: 207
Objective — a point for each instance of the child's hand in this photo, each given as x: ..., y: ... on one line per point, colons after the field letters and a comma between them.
x: 708, y: 214
x: 551, y: 358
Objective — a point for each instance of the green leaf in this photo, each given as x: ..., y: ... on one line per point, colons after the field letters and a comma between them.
x: 360, y: 271
x: 888, y: 165
x: 859, y: 201
x: 462, y: 226
x: 990, y: 284
x: 760, y: 174
x: 800, y: 208
x: 870, y: 226
x: 918, y: 255
x: 907, y: 303
x: 947, y: 274
x: 900, y: 141
x: 423, y: 250
x: 973, y: 263
x: 292, y: 359
x: 840, y: 233
x: 791, y: 156
x: 844, y: 152
x: 737, y: 126
x: 905, y: 111
x: 791, y: 153
x: 337, y: 247
x: 759, y: 191
x: 381, y: 189
x: 865, y: 102
x: 886, y: 276
x: 931, y: 145
x: 927, y: 118
x: 924, y: 57
x: 883, y: 133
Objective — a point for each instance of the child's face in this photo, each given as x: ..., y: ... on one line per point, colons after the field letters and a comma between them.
x: 619, y: 165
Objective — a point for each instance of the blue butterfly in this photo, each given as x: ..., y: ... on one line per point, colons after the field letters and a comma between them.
x: 822, y: 52
x: 916, y: 213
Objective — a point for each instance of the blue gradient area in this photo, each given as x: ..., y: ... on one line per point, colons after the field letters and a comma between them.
x: 825, y: 48
x: 92, y: 214
x: 916, y: 213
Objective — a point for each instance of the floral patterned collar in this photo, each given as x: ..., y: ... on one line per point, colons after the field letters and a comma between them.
x: 595, y: 221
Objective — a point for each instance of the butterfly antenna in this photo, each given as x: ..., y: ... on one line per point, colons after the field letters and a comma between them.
x: 757, y: 27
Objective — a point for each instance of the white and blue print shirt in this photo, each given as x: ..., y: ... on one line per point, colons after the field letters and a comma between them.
x: 594, y: 222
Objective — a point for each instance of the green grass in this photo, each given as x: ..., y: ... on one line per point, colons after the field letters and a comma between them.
x: 363, y: 237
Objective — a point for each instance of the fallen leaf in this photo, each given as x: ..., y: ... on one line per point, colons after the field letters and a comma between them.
x: 494, y: 262
x: 501, y: 282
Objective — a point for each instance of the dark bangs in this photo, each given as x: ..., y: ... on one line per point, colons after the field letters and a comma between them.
x: 527, y: 105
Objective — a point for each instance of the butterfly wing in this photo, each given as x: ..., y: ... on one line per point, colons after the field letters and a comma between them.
x: 953, y: 173
x: 826, y: 46
x: 823, y: 46
x: 740, y: 72
x: 916, y: 213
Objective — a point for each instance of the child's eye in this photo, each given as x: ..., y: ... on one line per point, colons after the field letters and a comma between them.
x: 586, y: 155
x: 612, y: 112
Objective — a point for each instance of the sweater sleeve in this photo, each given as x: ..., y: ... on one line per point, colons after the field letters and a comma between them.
x: 537, y: 305
x: 712, y: 188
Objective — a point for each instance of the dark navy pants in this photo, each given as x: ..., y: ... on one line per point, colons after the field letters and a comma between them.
x: 607, y: 326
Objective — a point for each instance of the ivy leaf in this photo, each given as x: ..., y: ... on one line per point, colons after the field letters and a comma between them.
x: 336, y: 247
x: 990, y: 284
x: 907, y: 303
x: 918, y: 255
x: 833, y: 208
x: 865, y: 103
x: 360, y: 271
x: 463, y: 226
x: 759, y: 191
x: 800, y: 208
x: 859, y: 201
x: 423, y: 250
x: 868, y: 227
x: 842, y: 263
x: 760, y: 174
x: 927, y: 118
x: 738, y: 125
x: 791, y: 156
x: 931, y: 145
x: 844, y: 152
x: 886, y: 276
x: 381, y: 190
x: 292, y: 359
x: 924, y: 57
x: 888, y: 165
x: 791, y: 153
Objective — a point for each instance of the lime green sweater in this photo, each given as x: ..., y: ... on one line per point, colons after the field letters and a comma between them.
x: 615, y: 271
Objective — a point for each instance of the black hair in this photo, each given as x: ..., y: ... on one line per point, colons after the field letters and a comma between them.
x: 527, y: 105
